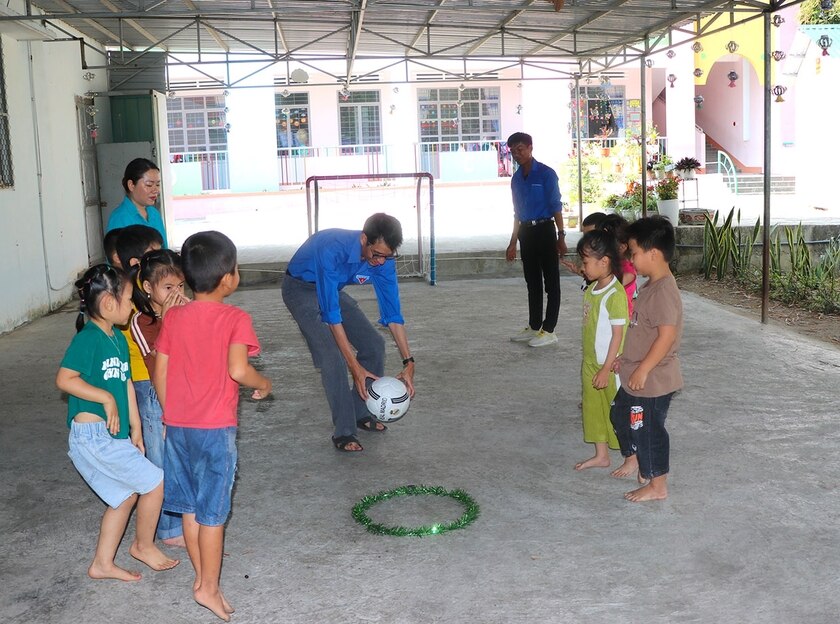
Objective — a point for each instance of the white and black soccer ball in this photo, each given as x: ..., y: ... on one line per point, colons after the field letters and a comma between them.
x: 388, y: 399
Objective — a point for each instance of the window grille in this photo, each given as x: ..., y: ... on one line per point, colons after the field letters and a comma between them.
x: 459, y: 115
x: 196, y: 124
x: 360, y: 122
x: 291, y: 113
x: 7, y: 179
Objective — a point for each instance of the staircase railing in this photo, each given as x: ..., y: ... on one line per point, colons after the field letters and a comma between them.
x: 727, y: 168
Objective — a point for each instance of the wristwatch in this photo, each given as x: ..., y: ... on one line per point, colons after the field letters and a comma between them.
x: 410, y: 358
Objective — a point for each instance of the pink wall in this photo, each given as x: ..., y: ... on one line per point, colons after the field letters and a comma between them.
x: 723, y: 114
x: 659, y: 115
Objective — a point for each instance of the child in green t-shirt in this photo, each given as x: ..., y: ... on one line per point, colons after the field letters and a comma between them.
x: 106, y: 440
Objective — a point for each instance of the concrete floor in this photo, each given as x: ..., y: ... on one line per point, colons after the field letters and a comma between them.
x: 747, y: 535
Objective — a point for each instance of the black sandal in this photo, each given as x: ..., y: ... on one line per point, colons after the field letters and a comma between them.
x: 369, y: 424
x: 341, y: 443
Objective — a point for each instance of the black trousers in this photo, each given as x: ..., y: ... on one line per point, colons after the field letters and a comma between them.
x: 541, y: 266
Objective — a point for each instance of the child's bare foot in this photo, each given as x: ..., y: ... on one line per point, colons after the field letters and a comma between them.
x: 228, y: 607
x: 647, y: 492
x: 215, y: 602
x: 153, y: 557
x: 627, y: 469
x: 112, y: 572
x: 593, y: 462
x: 176, y: 542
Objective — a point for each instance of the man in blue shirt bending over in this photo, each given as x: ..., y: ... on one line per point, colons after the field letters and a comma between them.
x: 341, y: 337
x: 536, y: 212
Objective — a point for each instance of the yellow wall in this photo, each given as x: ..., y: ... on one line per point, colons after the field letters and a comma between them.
x: 750, y: 39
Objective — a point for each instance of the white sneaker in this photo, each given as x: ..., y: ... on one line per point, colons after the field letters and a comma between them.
x: 526, y: 335
x: 543, y: 339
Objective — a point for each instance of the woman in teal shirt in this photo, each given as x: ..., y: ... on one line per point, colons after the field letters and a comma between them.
x: 141, y: 182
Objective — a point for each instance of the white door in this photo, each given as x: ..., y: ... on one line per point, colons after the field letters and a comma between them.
x: 89, y: 176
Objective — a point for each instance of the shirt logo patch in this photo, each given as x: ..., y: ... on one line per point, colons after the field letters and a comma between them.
x: 363, y: 279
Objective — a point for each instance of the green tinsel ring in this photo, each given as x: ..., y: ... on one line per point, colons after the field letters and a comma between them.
x: 470, y: 513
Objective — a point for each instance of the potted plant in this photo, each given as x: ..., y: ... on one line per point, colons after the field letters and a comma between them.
x: 686, y: 167
x: 667, y: 194
x: 662, y: 164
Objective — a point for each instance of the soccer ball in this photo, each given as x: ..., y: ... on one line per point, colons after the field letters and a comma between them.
x: 388, y: 399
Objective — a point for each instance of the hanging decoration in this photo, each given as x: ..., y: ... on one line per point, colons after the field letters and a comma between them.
x: 699, y: 99
x: 468, y: 517
x: 698, y: 72
x: 733, y: 76
x: 649, y: 63
x: 777, y: 20
x: 605, y: 80
x: 825, y: 43
x: 670, y: 54
x: 285, y: 93
x: 826, y: 5
x: 519, y: 109
x: 732, y: 47
x: 672, y: 79
x: 779, y: 91
x: 778, y: 55
x: 697, y: 47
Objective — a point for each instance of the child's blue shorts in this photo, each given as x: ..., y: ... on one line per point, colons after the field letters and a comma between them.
x: 200, y: 465
x: 114, y: 469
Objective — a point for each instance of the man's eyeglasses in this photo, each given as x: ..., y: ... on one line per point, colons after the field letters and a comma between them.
x: 375, y: 255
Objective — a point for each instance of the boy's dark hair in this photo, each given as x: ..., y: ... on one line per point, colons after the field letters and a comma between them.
x: 600, y: 243
x: 385, y: 227
x: 653, y: 233
x: 133, y: 241
x: 206, y: 258
x: 98, y: 280
x: 519, y: 137
x: 593, y: 220
x: 154, y: 266
x: 110, y: 243
x: 616, y: 225
x: 136, y: 169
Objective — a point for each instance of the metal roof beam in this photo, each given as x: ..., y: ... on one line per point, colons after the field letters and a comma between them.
x: 357, y: 19
x: 92, y: 23
x: 191, y: 5
x: 131, y: 22
x: 429, y: 19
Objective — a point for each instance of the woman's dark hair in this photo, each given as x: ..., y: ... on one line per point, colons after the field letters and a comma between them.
x: 136, y: 169
x: 206, y: 258
x: 599, y: 243
x: 97, y: 281
x: 386, y: 227
x: 154, y: 266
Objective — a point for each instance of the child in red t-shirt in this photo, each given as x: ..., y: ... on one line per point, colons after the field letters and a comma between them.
x: 202, y: 357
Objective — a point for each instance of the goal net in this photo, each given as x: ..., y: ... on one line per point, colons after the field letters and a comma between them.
x: 345, y: 201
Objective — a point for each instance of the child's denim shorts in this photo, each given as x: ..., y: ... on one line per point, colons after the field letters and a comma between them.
x: 114, y: 469
x: 200, y: 465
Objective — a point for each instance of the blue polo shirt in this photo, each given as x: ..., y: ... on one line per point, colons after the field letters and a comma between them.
x: 126, y: 214
x: 538, y: 195
x: 331, y: 259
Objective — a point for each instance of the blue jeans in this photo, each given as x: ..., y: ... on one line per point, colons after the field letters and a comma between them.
x: 639, y: 424
x: 200, y: 469
x: 346, y: 405
x: 151, y: 417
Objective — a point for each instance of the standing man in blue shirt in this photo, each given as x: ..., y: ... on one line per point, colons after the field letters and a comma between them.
x: 339, y: 335
x: 537, y: 211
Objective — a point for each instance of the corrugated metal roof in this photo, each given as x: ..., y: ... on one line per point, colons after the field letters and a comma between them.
x: 582, y: 30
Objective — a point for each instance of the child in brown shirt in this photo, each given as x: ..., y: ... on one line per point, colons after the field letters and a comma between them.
x: 649, y: 367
